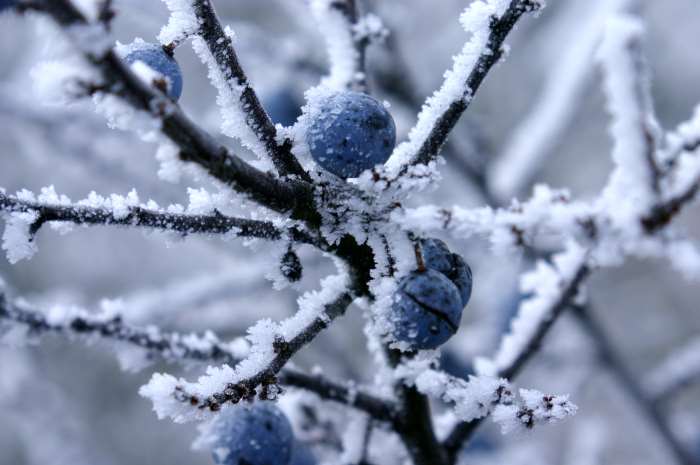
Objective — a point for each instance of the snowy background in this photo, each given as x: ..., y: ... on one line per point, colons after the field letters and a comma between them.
x: 63, y: 404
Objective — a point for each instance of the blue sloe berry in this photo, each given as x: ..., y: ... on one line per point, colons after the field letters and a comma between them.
x: 427, y: 309
x: 302, y: 455
x: 159, y: 60
x: 258, y: 434
x: 349, y: 133
x: 437, y: 256
x: 283, y: 106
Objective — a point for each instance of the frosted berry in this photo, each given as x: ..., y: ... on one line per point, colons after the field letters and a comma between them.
x: 156, y: 58
x: 302, y: 455
x: 259, y: 434
x: 438, y: 257
x: 283, y: 107
x: 427, y: 309
x: 349, y: 133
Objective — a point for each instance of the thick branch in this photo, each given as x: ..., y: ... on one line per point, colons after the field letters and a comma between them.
x: 416, y: 428
x: 612, y: 360
x: 137, y: 216
x: 175, y: 347
x: 415, y: 423
x: 195, y: 144
x: 257, y: 119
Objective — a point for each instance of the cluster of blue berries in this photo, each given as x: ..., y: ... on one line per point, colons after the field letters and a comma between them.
x: 349, y: 133
x: 428, y: 305
x: 258, y: 434
x: 160, y: 60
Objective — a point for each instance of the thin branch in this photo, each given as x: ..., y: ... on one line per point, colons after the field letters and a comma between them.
x: 492, y: 52
x: 463, y: 431
x: 396, y: 80
x: 338, y: 22
x: 266, y: 378
x: 195, y: 144
x: 257, y: 119
x: 610, y: 357
x: 174, y: 347
x: 136, y: 216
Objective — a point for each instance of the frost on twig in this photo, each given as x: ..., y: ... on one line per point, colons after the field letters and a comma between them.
x: 195, y: 145
x: 27, y: 213
x: 272, y: 346
x: 153, y: 343
x: 634, y: 185
x: 109, y: 326
x: 552, y: 289
x: 243, y: 115
x: 488, y: 22
x: 481, y: 396
x: 346, y: 39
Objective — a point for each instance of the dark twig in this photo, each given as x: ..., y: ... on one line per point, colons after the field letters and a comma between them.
x: 182, y: 223
x: 664, y: 212
x: 610, y: 357
x: 257, y: 119
x: 195, y: 145
x: 266, y: 379
x: 396, y: 80
x: 175, y: 347
x: 500, y: 28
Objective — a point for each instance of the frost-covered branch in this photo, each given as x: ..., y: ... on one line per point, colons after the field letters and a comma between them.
x: 607, y: 227
x: 478, y: 397
x: 634, y: 127
x: 529, y: 328
x: 219, y: 43
x: 347, y: 36
x: 193, y: 143
x: 489, y: 22
x: 178, y: 348
x: 109, y: 326
x: 127, y: 211
x: 273, y: 346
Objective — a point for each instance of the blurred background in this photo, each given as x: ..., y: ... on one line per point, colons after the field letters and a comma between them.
x: 64, y: 403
